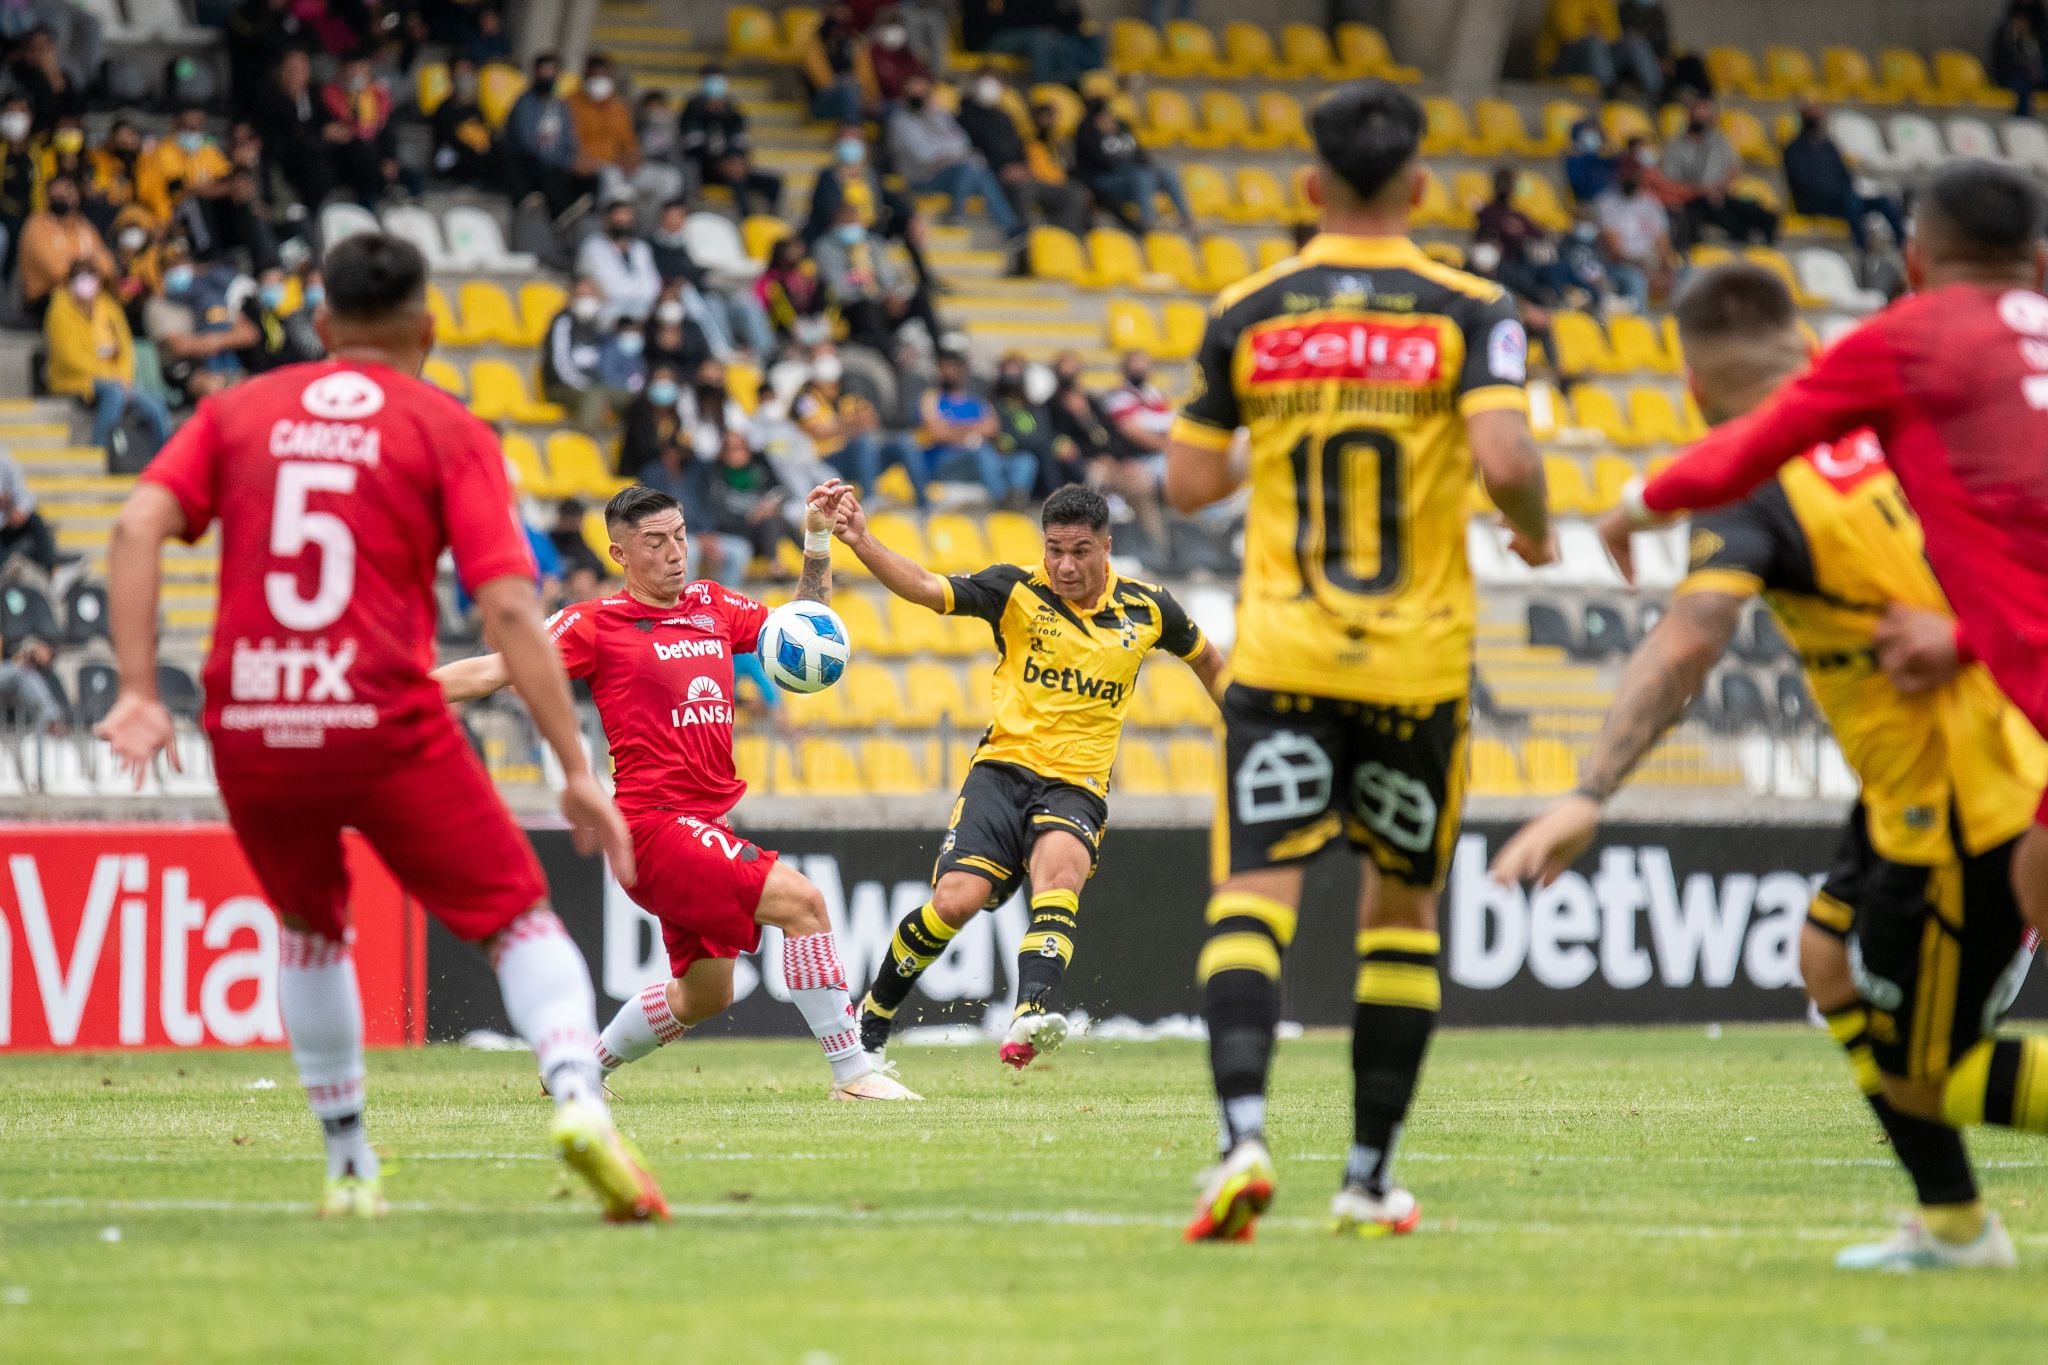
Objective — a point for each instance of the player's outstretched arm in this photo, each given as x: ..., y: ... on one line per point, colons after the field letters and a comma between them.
x: 821, y: 516
x: 907, y: 579
x: 472, y: 679
x: 510, y: 610
x: 1661, y: 678
x: 1511, y: 467
x: 138, y: 726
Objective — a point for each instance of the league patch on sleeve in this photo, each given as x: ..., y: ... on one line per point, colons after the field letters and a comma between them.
x: 1507, y: 352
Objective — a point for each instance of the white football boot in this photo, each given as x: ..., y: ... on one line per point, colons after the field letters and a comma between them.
x: 1357, y: 1212
x: 1913, y: 1247
x: 1030, y: 1034
x: 878, y: 1082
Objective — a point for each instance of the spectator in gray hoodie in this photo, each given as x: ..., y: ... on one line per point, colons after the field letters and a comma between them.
x: 935, y: 156
x: 1702, y: 163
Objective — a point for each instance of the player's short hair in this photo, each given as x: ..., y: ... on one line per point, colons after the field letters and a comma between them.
x: 1365, y: 132
x: 1076, y: 505
x: 373, y: 275
x: 631, y: 506
x: 1983, y: 211
x: 1736, y: 301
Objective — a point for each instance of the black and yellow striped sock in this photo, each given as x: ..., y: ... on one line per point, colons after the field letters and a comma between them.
x: 1932, y: 1153
x: 1239, y: 972
x: 1047, y: 948
x: 2000, y: 1081
x: 1398, y: 997
x: 919, y: 939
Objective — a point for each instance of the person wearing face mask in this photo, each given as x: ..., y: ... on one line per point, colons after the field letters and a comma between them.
x: 851, y: 179
x: 1027, y: 428
x: 110, y: 166
x: 1588, y: 164
x: 56, y: 239
x: 277, y: 342
x: 934, y: 155
x: 961, y: 434
x: 653, y: 420
x: 895, y: 61
x: 837, y: 71
x: 545, y: 157
x: 1074, y: 416
x: 572, y: 357
x: 794, y: 297
x: 186, y: 161
x: 199, y: 339
x: 291, y: 116
x: 1038, y: 187
x: 621, y: 262
x: 359, y: 135
x: 1634, y: 233
x: 1587, y: 38
x: 92, y: 357
x: 17, y: 176
x: 1823, y: 187
x: 674, y: 338
x: 1058, y: 39
x: 608, y: 144
x: 847, y: 431
x: 622, y: 362
x: 1524, y: 257
x: 1703, y: 164
x: 54, y: 94
x: 714, y: 139
x: 1122, y: 175
x: 1139, y: 417
x: 465, y: 148
x: 869, y: 289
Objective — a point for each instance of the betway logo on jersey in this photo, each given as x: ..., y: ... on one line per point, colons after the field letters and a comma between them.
x: 350, y: 442
x: 1353, y: 349
x: 690, y: 649
x: 1072, y: 680
x: 703, y: 704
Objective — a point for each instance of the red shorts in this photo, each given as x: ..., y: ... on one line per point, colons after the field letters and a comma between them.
x: 703, y: 882
x: 436, y: 821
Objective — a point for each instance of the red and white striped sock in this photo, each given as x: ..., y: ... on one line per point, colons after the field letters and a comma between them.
x: 642, y: 1024
x: 816, y: 981
x: 547, y: 992
x: 323, y: 1018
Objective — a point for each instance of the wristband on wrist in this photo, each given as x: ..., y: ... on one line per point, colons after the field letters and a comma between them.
x: 1635, y: 509
x: 817, y: 542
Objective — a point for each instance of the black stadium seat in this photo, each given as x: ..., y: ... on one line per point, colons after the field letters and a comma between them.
x: 97, y: 686
x: 25, y: 612
x: 85, y: 613
x: 178, y: 691
x: 1796, y: 709
x: 1742, y: 703
x: 1607, y: 633
x: 1547, y: 626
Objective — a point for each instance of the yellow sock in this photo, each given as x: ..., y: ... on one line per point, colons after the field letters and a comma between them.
x: 1956, y: 1224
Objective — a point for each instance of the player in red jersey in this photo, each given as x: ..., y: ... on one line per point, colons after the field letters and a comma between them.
x: 336, y: 486
x: 1954, y: 382
x: 659, y: 657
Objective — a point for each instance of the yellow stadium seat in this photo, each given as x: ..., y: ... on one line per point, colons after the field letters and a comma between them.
x: 1667, y: 332
x: 1067, y: 107
x: 1773, y: 260
x: 959, y: 758
x: 1438, y: 209
x: 1594, y: 407
x: 1545, y: 404
x: 1172, y: 255
x: 1734, y: 71
x: 1581, y: 345
x: 1846, y: 75
x: 539, y: 301
x: 1671, y: 121
x: 750, y: 762
x: 1611, y: 474
x: 1548, y: 765
x: 961, y: 637
x: 1261, y: 198
x: 498, y: 393
x: 597, y: 535
x: 535, y: 480
x: 899, y: 532
x: 1654, y: 416
x: 1445, y: 131
x: 893, y: 768
x: 1559, y: 117
x: 1193, y: 766
x: 827, y: 768
x: 1494, y: 770
x: 1362, y: 51
x: 956, y: 544
x: 1273, y: 250
x: 1014, y: 538
x: 911, y: 629
x: 821, y: 710
x: 1188, y: 48
x: 431, y: 87
x: 1133, y: 46
x: 1224, y: 261
x: 498, y: 86
x: 937, y: 698
x: 760, y: 232
x: 1746, y: 134
x: 1959, y: 78
x: 1056, y: 254
x: 1128, y: 326
x: 799, y: 22
x: 1116, y: 261
x: 1248, y: 51
x: 1181, y: 331
x: 1761, y: 190
x: 1624, y: 121
x: 864, y: 627
x: 1208, y: 192
x: 872, y: 697
x: 1498, y: 130
x: 1305, y: 49
x: 750, y: 33
x: 1902, y: 76
x: 445, y: 377
x: 1564, y: 479
x: 1282, y: 125
x: 578, y: 462
x: 1706, y: 255
x: 1225, y: 123
x: 488, y: 316
x: 1789, y: 73
x: 1141, y: 769
x: 448, y: 329
x: 1177, y: 695
x: 1536, y: 196
x: 1637, y: 347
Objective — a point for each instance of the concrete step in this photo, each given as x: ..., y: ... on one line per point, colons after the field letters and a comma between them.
x: 37, y: 435
x: 57, y: 486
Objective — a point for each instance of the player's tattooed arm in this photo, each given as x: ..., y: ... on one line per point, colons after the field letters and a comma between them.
x: 1660, y: 680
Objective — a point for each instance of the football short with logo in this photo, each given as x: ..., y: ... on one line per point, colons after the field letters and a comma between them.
x: 1300, y: 770
x: 434, y: 818
x: 703, y: 882
x: 1935, y: 951
x: 1002, y: 811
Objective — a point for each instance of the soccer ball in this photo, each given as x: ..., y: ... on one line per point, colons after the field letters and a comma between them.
x: 803, y: 646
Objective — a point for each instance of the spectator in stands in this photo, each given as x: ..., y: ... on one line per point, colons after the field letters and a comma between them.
x: 572, y: 551
x: 228, y: 226
x: 1025, y: 427
x: 188, y: 161
x: 2016, y: 61
x: 1703, y: 163
x: 868, y: 288
x: 896, y: 63
x: 1074, y: 415
x: 465, y: 149
x: 679, y: 473
x: 1685, y: 76
x: 609, y: 145
x: 933, y: 154
x: 92, y: 357
x: 621, y: 263
x: 661, y: 138
x: 359, y: 134
x: 54, y: 240
x: 1635, y: 238
x: 1593, y: 42
x: 1588, y: 165
x: 622, y: 361
x: 709, y: 411
x: 63, y: 153
x: 1058, y: 39
x: 545, y: 159
x: 277, y: 341
x: 17, y: 176
x: 733, y: 322
x: 1040, y: 185
x: 837, y: 71
x: 793, y: 296
x: 25, y: 693
x: 960, y: 434
x: 259, y: 34
x: 1121, y: 174
x: 22, y: 528
x: 852, y: 180
x: 1527, y: 261
x: 1139, y: 417
x: 199, y: 339
x: 674, y: 340
x: 653, y: 419
x: 572, y: 355
x: 136, y: 274
x: 714, y: 138
x: 847, y: 431
x: 274, y: 196
x: 110, y: 166
x: 745, y: 499
x: 296, y: 128
x: 77, y: 34
x: 1822, y: 185
x: 53, y: 93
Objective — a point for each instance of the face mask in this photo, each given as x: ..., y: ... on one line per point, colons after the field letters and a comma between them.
x: 826, y: 369
x: 671, y: 237
x: 271, y: 296
x: 851, y: 153
x: 1587, y: 233
x: 988, y: 93
x: 1010, y: 379
x: 14, y: 127
x: 715, y: 87
x: 1646, y: 157
x: 191, y: 143
x: 1137, y: 379
x: 892, y: 37
x: 1696, y: 124
x: 1589, y: 141
x: 850, y: 233
x: 545, y: 84
x: 63, y: 208
x: 316, y: 294
x: 711, y: 395
x: 86, y: 287
x: 631, y: 343
x: 177, y: 279
x: 585, y: 309
x: 663, y: 393
x: 465, y: 86
x: 669, y: 314
x: 918, y: 102
x: 133, y: 239
x: 1810, y: 124
x: 358, y: 82
x: 1063, y: 382
x: 68, y: 141
x: 598, y: 87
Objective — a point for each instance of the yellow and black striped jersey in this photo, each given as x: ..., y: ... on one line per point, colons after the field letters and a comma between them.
x: 1353, y: 366
x: 1065, y: 673
x: 1829, y: 544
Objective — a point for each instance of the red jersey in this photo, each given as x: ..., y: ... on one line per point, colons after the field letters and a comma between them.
x: 337, y: 485
x: 662, y: 679
x: 1955, y: 384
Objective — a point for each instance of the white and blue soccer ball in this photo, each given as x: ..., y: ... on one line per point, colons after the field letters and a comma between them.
x: 804, y: 646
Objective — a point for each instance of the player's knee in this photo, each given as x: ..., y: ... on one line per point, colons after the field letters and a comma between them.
x: 807, y: 913
x: 1824, y: 967
x: 1918, y: 1096
x: 1395, y: 905
x: 694, y: 1002
x: 959, y: 897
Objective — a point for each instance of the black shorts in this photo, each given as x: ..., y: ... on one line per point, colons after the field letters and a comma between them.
x: 1002, y: 811
x: 1935, y: 951
x: 1299, y: 770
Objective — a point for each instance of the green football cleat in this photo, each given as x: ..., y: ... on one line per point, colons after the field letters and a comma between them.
x: 351, y: 1196
x: 591, y: 1147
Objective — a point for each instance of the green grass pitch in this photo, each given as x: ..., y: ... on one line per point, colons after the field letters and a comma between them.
x: 1642, y: 1195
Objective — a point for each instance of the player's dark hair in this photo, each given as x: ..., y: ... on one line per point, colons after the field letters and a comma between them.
x: 1365, y: 132
x: 1736, y: 301
x: 373, y: 275
x: 631, y: 506
x: 1076, y: 505
x: 1984, y: 211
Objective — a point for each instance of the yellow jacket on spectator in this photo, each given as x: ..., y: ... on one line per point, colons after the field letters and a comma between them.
x: 113, y: 177
x: 167, y: 164
x: 604, y: 131
x: 50, y: 244
x: 87, y: 342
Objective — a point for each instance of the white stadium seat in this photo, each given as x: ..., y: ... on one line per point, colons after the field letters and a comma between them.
x: 410, y: 223
x: 475, y: 242
x: 1823, y: 272
x: 1916, y: 142
x: 341, y: 220
x: 166, y: 22
x: 1973, y: 137
x: 1861, y: 141
x: 114, y: 23
x: 1486, y: 545
x: 2026, y: 143
x: 714, y: 243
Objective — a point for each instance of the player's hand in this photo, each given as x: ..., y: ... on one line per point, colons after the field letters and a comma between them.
x: 1916, y: 648
x: 138, y: 729
x: 821, y: 508
x: 1534, y: 553
x: 850, y: 519
x: 595, y: 823
x: 1541, y: 850
x: 1618, y: 535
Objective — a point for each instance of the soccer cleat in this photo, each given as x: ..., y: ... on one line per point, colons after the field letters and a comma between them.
x: 874, y: 1030
x: 1358, y: 1212
x: 1030, y: 1034
x: 878, y: 1082
x: 351, y: 1196
x: 1235, y: 1191
x: 608, y: 1163
x: 1913, y: 1247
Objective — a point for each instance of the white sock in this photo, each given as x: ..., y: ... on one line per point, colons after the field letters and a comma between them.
x: 816, y: 981
x: 323, y: 1017
x: 547, y: 993
x: 642, y: 1024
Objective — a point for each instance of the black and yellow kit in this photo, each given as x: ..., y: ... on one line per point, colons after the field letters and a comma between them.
x: 1354, y: 367
x: 1063, y: 681
x: 1950, y: 778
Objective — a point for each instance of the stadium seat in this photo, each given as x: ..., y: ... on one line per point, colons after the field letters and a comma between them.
x: 956, y: 544
x: 1759, y: 189
x: 499, y: 86
x: 862, y: 614
x: 411, y: 223
x: 498, y: 393
x: 1193, y: 767
x: 539, y: 302
x: 1654, y: 418
x: 799, y: 22
x: 1902, y: 77
x: 1548, y: 766
x: 714, y: 243
x: 1745, y: 132
x: 750, y: 762
x: 890, y: 767
x: 1581, y: 345
x: 900, y: 532
x: 872, y: 697
x: 1306, y: 50
x: 1141, y: 769
x: 1790, y: 73
x: 1445, y: 253
x: 1916, y: 142
x: 448, y: 328
x: 1624, y: 121
x: 1445, y: 130
x: 1282, y: 125
x: 1795, y: 705
x: 98, y: 685
x: 1014, y: 538
x: 1128, y: 326
x: 1169, y: 121
x: 1362, y: 51
x: 1188, y: 48
x: 1172, y: 255
x: 1734, y: 71
x: 85, y: 612
x: 2026, y: 145
x: 750, y: 34
x: 1846, y: 77
x: 341, y: 220
x: 825, y: 710
x: 1180, y: 696
x: 1133, y: 47
x: 1775, y: 261
x: 1226, y: 122
x: 578, y: 463
x: 1548, y: 628
x: 1224, y: 261
x: 1273, y: 250
x: 1438, y: 209
x: 1595, y: 408
x: 26, y: 612
x: 1565, y: 480
x: 1068, y: 108
x: 1637, y: 346
x: 822, y: 767
x: 1538, y: 197
x: 1055, y: 254
x: 1248, y: 51
x: 1115, y: 261
x: 178, y: 691
x: 488, y: 315
x: 1741, y: 705
x: 1825, y: 276
x: 760, y: 232
x: 1261, y: 198
x: 1860, y: 141
x: 1181, y: 330
x: 936, y: 697
x: 475, y: 242
x: 1208, y: 192
x: 1972, y: 136
x: 1494, y: 770
x: 1498, y: 130
x: 445, y: 377
x: 1959, y: 78
x: 913, y: 631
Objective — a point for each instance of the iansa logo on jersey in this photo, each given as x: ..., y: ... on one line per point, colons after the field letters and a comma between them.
x: 703, y: 704
x: 1849, y: 461
x: 343, y: 396
x: 1353, y: 349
